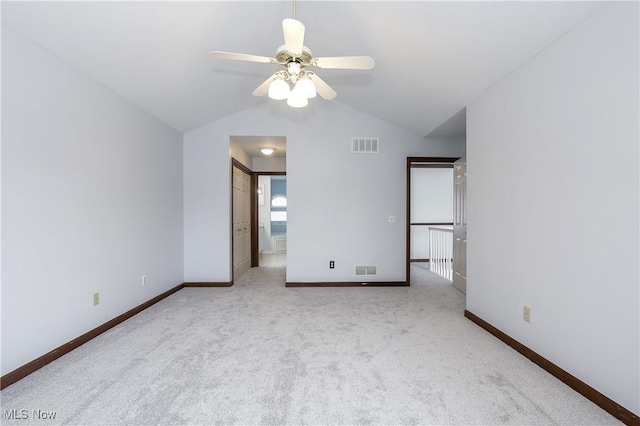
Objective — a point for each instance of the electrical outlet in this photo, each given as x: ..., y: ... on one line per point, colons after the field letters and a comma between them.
x: 332, y: 264
x: 144, y: 279
x: 392, y: 218
x: 96, y: 299
x: 526, y: 313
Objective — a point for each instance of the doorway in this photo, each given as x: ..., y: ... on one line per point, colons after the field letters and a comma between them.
x: 272, y: 219
x: 429, y: 233
x: 252, y: 158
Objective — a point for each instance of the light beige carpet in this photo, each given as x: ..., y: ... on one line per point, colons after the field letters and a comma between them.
x: 259, y: 353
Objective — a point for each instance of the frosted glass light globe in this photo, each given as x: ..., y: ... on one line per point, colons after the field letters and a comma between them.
x: 307, y: 87
x: 297, y: 99
x: 279, y: 90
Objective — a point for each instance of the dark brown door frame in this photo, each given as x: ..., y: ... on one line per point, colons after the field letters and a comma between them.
x: 255, y: 254
x: 419, y: 162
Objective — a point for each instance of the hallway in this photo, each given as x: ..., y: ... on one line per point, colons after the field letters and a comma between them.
x: 273, y: 260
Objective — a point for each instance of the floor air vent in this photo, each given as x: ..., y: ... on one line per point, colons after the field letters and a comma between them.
x: 365, y: 145
x: 366, y: 270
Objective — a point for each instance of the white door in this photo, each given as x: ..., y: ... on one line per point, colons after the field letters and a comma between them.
x: 460, y: 225
x: 241, y: 216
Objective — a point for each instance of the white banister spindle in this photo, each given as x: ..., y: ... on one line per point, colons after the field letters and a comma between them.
x: 441, y: 251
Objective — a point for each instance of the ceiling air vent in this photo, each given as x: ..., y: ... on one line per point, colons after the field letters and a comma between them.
x: 365, y: 145
x: 366, y: 270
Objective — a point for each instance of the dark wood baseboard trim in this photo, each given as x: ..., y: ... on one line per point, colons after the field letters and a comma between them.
x: 607, y: 404
x: 348, y: 284
x: 21, y: 372
x: 207, y: 284
x: 420, y: 260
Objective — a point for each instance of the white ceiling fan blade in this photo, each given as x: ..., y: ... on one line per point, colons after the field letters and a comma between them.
x: 241, y: 57
x: 263, y: 89
x: 345, y: 62
x: 323, y: 88
x: 293, y: 36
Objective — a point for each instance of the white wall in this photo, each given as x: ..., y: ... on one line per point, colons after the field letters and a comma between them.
x: 91, y: 201
x: 237, y: 152
x: 553, y: 199
x: 432, y: 195
x: 269, y: 164
x: 431, y: 201
x: 328, y: 187
x: 460, y: 141
x: 264, y: 213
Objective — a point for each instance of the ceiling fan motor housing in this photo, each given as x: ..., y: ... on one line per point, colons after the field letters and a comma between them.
x: 283, y: 56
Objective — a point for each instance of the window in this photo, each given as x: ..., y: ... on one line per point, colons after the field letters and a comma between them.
x: 278, y: 216
x: 279, y: 201
x: 279, y: 208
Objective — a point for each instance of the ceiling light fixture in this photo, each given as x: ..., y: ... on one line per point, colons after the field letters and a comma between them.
x: 267, y: 150
x: 303, y: 87
x: 296, y: 83
x: 297, y: 98
x: 279, y: 89
x: 306, y: 86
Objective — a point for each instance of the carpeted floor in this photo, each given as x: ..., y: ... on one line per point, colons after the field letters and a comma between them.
x: 259, y: 353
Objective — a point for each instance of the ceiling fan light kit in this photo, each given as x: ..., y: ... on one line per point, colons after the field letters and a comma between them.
x: 279, y: 89
x: 297, y: 99
x: 295, y: 83
x: 303, y: 87
x: 306, y: 86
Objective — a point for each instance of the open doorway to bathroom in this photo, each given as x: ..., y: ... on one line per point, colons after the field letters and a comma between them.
x: 264, y: 157
x: 272, y: 219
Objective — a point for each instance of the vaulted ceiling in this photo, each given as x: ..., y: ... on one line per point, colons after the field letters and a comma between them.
x: 432, y: 58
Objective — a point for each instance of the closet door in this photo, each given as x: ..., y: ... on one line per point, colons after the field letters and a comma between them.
x: 241, y: 219
x: 460, y: 224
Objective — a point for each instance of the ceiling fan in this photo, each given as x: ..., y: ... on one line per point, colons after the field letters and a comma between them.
x: 296, y: 83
